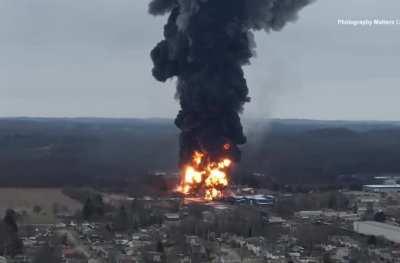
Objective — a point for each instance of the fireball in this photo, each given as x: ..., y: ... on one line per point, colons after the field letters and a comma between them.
x: 205, y: 176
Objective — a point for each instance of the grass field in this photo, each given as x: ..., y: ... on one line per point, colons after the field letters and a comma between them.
x: 23, y: 200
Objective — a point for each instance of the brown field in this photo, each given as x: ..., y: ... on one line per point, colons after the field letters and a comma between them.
x: 24, y: 199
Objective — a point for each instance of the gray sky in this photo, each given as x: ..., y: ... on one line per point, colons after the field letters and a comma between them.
x: 91, y: 58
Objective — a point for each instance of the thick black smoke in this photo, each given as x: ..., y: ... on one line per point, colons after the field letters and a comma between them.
x: 206, y: 43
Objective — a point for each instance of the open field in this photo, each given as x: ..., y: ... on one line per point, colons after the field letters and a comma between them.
x: 49, y: 200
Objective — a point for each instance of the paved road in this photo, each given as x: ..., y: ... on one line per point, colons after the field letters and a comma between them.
x: 73, y: 238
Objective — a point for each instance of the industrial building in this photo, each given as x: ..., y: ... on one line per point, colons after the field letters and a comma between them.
x: 382, y: 188
x: 387, y: 179
x: 372, y: 228
x: 253, y: 199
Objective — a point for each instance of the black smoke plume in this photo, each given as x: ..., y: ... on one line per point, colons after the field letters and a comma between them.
x: 206, y: 43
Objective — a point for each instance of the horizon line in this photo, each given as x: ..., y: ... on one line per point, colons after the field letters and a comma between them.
x: 172, y: 118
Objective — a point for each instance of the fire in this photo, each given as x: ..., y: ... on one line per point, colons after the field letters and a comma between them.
x: 192, y: 177
x: 203, y: 175
x: 198, y: 157
x: 227, y: 146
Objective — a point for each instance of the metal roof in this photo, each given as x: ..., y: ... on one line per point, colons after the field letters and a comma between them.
x: 383, y: 185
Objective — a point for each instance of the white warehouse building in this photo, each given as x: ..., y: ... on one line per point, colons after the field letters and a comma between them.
x: 382, y: 188
x: 373, y: 228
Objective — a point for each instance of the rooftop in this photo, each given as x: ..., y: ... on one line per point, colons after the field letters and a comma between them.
x: 381, y: 225
x: 172, y: 216
x: 383, y: 185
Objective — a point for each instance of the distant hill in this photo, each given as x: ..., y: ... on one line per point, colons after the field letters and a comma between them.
x: 101, y: 151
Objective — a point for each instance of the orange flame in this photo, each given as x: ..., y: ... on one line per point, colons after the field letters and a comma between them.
x: 227, y: 146
x: 201, y: 174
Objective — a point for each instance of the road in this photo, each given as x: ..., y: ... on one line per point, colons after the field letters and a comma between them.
x: 79, y: 245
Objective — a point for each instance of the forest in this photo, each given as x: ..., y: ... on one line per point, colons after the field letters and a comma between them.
x: 46, y: 152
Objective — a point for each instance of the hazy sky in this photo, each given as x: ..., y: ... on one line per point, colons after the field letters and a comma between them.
x: 91, y: 58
